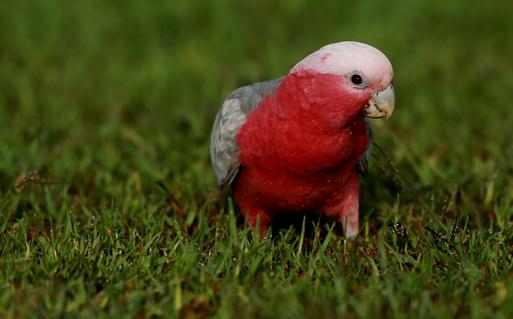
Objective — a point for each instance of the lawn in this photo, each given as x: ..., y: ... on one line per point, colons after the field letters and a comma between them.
x: 109, y: 207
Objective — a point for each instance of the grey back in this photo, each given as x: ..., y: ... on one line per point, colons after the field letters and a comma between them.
x: 224, y: 151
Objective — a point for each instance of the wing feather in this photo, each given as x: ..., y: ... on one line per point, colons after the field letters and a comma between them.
x: 224, y: 151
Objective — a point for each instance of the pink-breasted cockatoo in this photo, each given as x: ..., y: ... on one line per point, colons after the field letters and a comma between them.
x: 296, y: 144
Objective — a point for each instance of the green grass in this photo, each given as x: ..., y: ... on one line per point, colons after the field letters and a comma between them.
x: 107, y: 100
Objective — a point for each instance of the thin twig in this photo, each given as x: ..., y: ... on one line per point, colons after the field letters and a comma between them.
x: 396, y: 176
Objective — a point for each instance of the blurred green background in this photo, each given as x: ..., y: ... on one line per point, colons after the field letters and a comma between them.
x: 105, y: 98
x: 79, y: 79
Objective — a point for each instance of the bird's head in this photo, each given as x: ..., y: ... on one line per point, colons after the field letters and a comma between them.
x: 354, y: 72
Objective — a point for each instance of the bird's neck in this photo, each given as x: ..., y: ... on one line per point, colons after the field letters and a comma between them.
x: 318, y: 102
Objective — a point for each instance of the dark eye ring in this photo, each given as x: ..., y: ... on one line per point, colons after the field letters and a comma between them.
x: 356, y: 79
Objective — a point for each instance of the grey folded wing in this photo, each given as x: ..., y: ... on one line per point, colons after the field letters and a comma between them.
x: 224, y: 151
x: 363, y: 163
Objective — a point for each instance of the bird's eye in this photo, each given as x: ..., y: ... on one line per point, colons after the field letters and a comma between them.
x: 356, y: 79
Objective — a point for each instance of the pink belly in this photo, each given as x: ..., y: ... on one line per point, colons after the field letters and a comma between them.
x: 282, y: 194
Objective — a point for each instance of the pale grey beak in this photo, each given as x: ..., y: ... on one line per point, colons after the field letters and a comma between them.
x: 381, y: 105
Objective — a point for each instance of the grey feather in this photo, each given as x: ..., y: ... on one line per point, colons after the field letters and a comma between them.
x: 224, y: 151
x: 363, y: 163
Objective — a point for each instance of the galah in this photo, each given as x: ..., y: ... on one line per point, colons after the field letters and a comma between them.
x: 296, y: 144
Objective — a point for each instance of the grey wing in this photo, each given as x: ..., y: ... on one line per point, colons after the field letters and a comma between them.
x: 224, y: 151
x: 363, y: 163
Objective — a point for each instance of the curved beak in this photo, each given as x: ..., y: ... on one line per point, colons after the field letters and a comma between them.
x: 381, y: 104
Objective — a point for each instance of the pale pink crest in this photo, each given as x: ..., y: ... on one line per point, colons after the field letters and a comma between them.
x: 343, y: 58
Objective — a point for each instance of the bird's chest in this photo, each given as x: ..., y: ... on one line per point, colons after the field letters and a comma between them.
x: 310, y: 154
x: 299, y: 171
